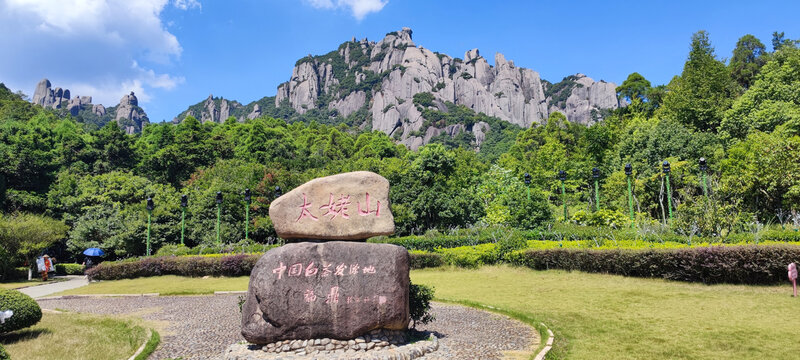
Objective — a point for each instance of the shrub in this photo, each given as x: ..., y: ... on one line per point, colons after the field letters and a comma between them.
x: 69, y: 269
x: 602, y: 218
x: 194, y: 266
x: 470, y: 256
x: 3, y: 354
x: 238, y: 248
x: 747, y: 264
x: 423, y: 259
x: 26, y: 311
x: 419, y: 304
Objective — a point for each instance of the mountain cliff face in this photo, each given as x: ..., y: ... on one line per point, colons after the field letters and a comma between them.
x: 127, y: 113
x: 373, y: 84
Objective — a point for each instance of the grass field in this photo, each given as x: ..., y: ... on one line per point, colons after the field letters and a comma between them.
x: 612, y: 317
x: 75, y: 336
x: 164, y: 285
x: 594, y: 316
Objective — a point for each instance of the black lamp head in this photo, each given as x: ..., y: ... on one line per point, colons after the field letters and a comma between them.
x: 527, y: 179
x: 184, y: 201
x: 703, y: 165
x: 247, y: 195
x: 666, y: 167
x: 595, y: 173
x: 150, y: 205
x: 219, y: 197
x: 628, y: 169
x: 562, y: 175
x: 277, y: 191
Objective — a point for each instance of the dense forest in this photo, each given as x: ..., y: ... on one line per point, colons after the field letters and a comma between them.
x: 742, y: 115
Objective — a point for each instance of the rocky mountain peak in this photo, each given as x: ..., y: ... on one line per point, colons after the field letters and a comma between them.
x: 383, y: 77
x: 377, y: 82
x: 127, y: 114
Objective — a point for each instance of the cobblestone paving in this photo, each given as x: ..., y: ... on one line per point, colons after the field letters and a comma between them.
x: 202, y: 327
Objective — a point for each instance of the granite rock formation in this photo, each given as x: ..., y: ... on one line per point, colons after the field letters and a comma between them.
x: 349, y: 206
x: 378, y: 80
x: 336, y: 290
x: 403, y: 69
x: 127, y: 114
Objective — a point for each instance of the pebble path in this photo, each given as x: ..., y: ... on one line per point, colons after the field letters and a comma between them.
x: 203, y: 327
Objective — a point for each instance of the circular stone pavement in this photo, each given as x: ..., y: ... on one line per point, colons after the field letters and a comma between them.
x: 203, y: 327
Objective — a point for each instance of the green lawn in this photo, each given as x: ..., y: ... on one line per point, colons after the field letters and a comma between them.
x: 613, y: 317
x: 164, y: 285
x: 594, y: 316
x: 75, y: 336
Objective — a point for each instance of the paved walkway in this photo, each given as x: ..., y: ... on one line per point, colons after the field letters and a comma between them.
x: 75, y: 281
x: 202, y: 327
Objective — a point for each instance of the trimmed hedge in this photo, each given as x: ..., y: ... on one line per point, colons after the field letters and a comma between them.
x: 568, y: 232
x: 421, y: 259
x: 751, y: 264
x: 69, y: 269
x: 181, y: 250
x: 26, y: 311
x: 231, y: 265
x: 208, y: 265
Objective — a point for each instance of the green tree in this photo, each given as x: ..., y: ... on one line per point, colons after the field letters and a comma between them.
x: 634, y: 87
x: 772, y: 100
x: 115, y: 149
x: 748, y: 58
x: 699, y: 97
x: 25, y: 236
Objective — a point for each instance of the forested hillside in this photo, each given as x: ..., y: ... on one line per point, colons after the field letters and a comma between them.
x: 743, y: 116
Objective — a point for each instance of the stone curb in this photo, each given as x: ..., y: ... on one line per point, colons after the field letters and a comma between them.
x: 548, y: 345
x: 144, y: 344
x: 96, y: 295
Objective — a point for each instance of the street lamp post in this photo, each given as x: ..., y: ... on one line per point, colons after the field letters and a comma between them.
x: 184, y: 204
x: 528, y: 184
x: 704, y: 169
x: 562, y: 175
x: 669, y: 192
x: 596, y: 176
x: 628, y: 172
x: 246, y: 213
x: 150, y: 208
x: 219, y: 212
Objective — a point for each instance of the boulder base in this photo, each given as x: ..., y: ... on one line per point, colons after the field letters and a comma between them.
x: 349, y: 206
x: 336, y: 289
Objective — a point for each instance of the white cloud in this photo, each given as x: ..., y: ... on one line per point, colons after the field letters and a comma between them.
x: 187, y: 4
x: 88, y: 46
x: 359, y: 8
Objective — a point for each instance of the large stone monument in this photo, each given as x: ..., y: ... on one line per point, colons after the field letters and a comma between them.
x: 328, y: 284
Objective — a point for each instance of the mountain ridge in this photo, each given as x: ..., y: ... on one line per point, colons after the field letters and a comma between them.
x: 373, y: 84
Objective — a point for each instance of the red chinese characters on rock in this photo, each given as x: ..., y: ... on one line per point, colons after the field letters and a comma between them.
x: 333, y: 296
x: 328, y: 269
x: 304, y: 212
x: 337, y: 207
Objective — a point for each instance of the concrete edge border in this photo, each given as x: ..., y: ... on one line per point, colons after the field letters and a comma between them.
x: 148, y: 337
x: 96, y: 295
x: 230, y: 292
x: 548, y: 345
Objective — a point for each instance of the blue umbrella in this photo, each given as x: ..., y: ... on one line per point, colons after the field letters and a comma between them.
x: 93, y: 252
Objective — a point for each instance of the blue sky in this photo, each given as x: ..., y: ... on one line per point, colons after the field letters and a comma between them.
x: 174, y: 53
